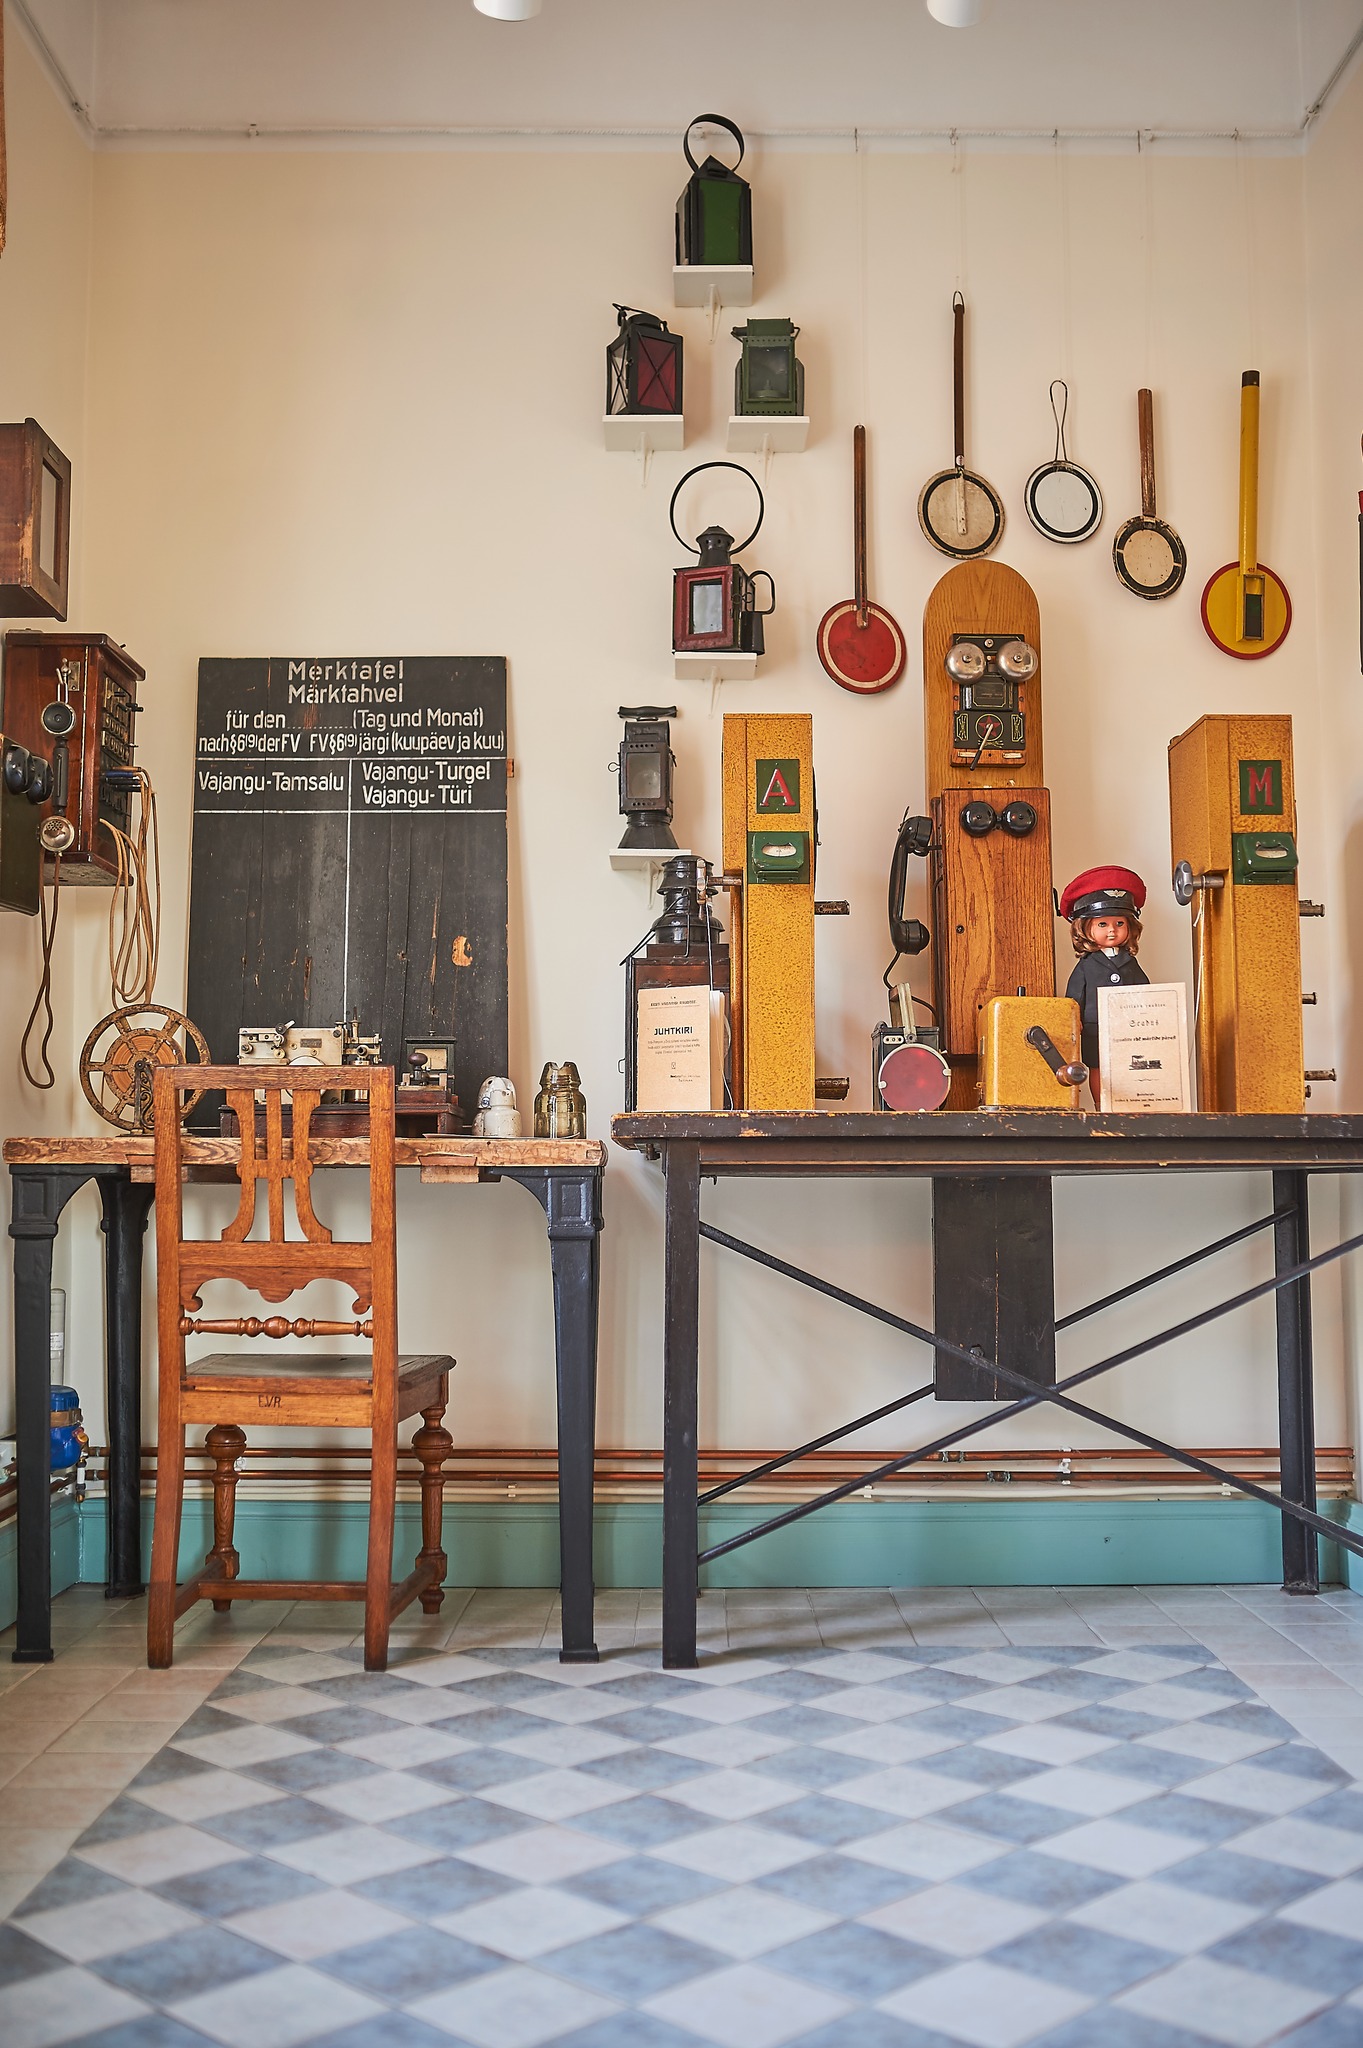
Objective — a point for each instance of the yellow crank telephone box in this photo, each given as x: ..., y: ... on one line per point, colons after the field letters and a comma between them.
x: 769, y: 866
x: 1233, y: 818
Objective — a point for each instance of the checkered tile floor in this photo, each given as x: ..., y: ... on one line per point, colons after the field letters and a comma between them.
x: 905, y: 1844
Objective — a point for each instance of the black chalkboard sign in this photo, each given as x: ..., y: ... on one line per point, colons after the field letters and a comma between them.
x: 350, y: 853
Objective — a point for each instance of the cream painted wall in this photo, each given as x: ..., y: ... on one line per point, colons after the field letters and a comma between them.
x: 44, y: 310
x: 1334, y: 193
x: 351, y: 402
x: 343, y: 403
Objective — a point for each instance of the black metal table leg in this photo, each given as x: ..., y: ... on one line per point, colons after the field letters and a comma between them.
x: 1296, y: 1393
x: 38, y: 1196
x: 127, y: 1204
x: 572, y: 1204
x: 681, y: 1346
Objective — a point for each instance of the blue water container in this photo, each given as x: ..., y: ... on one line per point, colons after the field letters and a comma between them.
x: 69, y: 1441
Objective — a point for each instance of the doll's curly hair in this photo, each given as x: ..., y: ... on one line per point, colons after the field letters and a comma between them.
x: 1084, y: 945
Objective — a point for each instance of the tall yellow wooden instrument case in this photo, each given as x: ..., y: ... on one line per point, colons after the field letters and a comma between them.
x: 768, y: 807
x: 1233, y: 819
x: 993, y: 916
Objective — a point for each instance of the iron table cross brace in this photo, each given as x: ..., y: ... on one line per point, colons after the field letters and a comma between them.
x: 973, y: 1149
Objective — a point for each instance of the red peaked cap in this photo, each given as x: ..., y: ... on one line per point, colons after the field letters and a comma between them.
x: 1099, y: 883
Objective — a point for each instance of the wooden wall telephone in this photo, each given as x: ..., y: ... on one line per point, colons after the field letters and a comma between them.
x: 990, y: 843
x: 72, y: 697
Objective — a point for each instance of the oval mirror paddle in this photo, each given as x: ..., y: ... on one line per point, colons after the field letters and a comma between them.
x: 1063, y: 501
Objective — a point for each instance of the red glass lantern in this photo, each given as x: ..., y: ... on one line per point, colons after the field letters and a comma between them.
x: 714, y: 604
x: 643, y: 366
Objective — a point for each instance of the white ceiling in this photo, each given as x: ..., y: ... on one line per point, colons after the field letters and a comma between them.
x: 149, y: 71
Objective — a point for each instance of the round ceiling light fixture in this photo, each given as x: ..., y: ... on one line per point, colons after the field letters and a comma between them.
x: 951, y: 13
x: 508, y: 10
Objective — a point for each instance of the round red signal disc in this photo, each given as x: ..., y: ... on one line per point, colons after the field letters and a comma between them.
x: 861, y: 658
x: 914, y: 1076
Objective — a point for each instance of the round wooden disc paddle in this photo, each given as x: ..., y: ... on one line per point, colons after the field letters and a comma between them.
x: 958, y: 511
x: 860, y: 644
x: 1147, y: 554
x: 1245, y: 607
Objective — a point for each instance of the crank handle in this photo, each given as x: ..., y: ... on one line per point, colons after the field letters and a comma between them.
x: 1187, y: 884
x: 1069, y: 1073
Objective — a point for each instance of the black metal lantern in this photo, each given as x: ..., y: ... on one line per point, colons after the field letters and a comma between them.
x: 769, y: 379
x: 678, y: 1017
x: 643, y: 366
x: 646, y: 764
x: 714, y: 604
x: 714, y: 213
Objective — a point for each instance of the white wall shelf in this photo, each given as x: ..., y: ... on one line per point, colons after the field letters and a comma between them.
x: 647, y: 859
x: 749, y: 435
x: 714, y: 667
x: 712, y: 284
x: 643, y: 433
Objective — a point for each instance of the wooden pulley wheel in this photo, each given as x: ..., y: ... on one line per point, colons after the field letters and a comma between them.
x: 121, y: 1055
x: 860, y: 644
x: 958, y: 511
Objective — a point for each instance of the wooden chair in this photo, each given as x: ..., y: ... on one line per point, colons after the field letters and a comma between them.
x: 374, y: 1391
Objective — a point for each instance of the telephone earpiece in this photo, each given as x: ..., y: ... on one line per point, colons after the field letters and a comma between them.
x: 908, y: 934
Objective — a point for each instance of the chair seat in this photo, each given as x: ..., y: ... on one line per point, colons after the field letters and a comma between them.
x: 328, y: 1389
x: 326, y: 1367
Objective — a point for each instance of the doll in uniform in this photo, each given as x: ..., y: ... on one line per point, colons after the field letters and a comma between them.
x: 1103, y: 906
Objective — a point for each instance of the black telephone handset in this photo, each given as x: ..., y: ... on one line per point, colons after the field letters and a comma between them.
x: 908, y: 934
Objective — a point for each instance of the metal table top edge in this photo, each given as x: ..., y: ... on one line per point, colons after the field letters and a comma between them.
x: 987, y: 1143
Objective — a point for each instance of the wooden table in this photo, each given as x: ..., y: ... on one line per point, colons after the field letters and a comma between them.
x: 993, y: 1279
x: 565, y: 1177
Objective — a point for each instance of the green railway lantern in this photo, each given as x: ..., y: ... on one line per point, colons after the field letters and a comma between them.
x: 769, y: 378
x: 714, y: 213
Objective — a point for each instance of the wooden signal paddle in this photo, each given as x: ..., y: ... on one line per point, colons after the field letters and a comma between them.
x: 1245, y: 607
x: 859, y: 643
x: 1147, y: 554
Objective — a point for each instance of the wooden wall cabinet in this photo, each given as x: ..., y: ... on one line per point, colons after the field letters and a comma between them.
x: 35, y: 523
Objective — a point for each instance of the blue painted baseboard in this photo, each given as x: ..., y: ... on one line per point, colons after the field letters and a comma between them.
x: 1079, y: 1542
x: 1072, y: 1542
x: 66, y: 1554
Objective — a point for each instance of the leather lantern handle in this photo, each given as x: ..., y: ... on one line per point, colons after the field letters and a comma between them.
x: 1145, y: 416
x: 958, y: 375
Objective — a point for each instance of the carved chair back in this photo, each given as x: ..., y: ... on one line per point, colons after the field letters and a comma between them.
x: 275, y: 1265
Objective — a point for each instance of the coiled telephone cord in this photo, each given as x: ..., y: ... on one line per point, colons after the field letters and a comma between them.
x: 42, y: 1002
x: 134, y: 930
x: 135, y: 907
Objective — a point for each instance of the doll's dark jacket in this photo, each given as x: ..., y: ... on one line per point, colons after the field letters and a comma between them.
x: 1095, y: 971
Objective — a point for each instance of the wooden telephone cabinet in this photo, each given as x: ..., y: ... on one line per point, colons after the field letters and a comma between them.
x: 1233, y: 820
x: 98, y: 680
x: 993, y: 921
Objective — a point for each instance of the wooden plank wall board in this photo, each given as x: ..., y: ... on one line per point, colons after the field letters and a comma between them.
x: 350, y: 853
